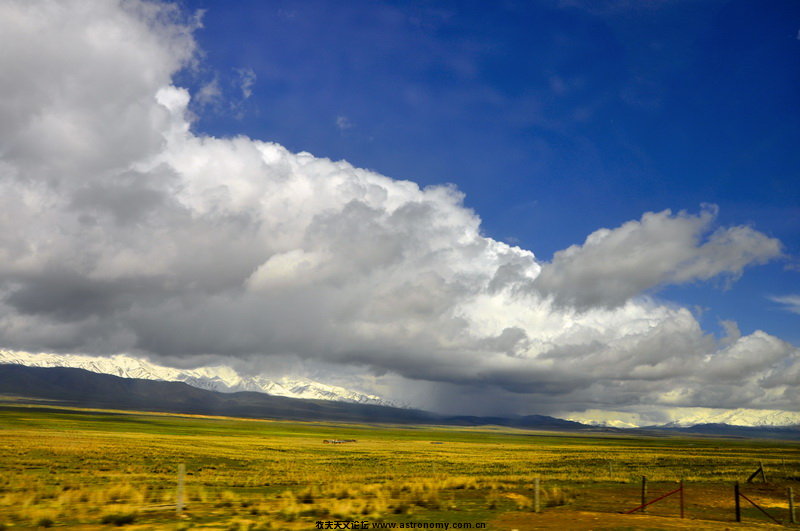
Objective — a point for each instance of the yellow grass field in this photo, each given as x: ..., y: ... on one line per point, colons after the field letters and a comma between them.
x: 91, y: 469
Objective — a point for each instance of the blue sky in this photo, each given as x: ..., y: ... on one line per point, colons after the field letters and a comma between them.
x: 554, y: 118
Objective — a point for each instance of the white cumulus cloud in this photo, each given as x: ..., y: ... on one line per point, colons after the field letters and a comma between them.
x: 662, y: 248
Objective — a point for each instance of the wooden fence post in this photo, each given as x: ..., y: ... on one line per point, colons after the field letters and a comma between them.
x: 681, y: 498
x: 644, y: 492
x: 670, y: 493
x: 536, y: 495
x: 736, y: 496
x: 790, y: 493
x: 180, y: 494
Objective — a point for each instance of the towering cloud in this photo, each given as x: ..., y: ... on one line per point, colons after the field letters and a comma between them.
x: 122, y: 230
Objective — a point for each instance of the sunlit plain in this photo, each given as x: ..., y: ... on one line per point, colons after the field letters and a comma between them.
x: 87, y: 468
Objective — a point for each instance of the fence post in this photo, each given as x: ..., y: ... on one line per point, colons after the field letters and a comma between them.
x: 681, y: 498
x: 644, y: 492
x: 736, y: 496
x: 180, y: 494
x: 536, y: 495
x: 763, y: 475
x: 790, y: 493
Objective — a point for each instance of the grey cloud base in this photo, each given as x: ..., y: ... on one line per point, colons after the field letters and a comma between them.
x: 124, y: 231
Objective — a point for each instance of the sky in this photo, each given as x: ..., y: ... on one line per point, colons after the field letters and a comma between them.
x: 554, y: 206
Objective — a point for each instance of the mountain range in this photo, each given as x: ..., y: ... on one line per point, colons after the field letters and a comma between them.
x: 689, y: 417
x: 224, y: 379
x: 82, y: 388
x: 213, y: 378
x: 79, y: 387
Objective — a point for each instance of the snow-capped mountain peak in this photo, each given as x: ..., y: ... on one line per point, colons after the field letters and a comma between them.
x: 213, y: 378
x: 737, y: 417
x: 687, y: 417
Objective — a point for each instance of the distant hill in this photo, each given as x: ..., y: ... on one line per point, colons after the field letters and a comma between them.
x: 727, y: 430
x: 83, y: 388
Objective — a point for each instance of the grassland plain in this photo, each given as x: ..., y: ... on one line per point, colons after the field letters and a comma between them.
x: 90, y: 469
